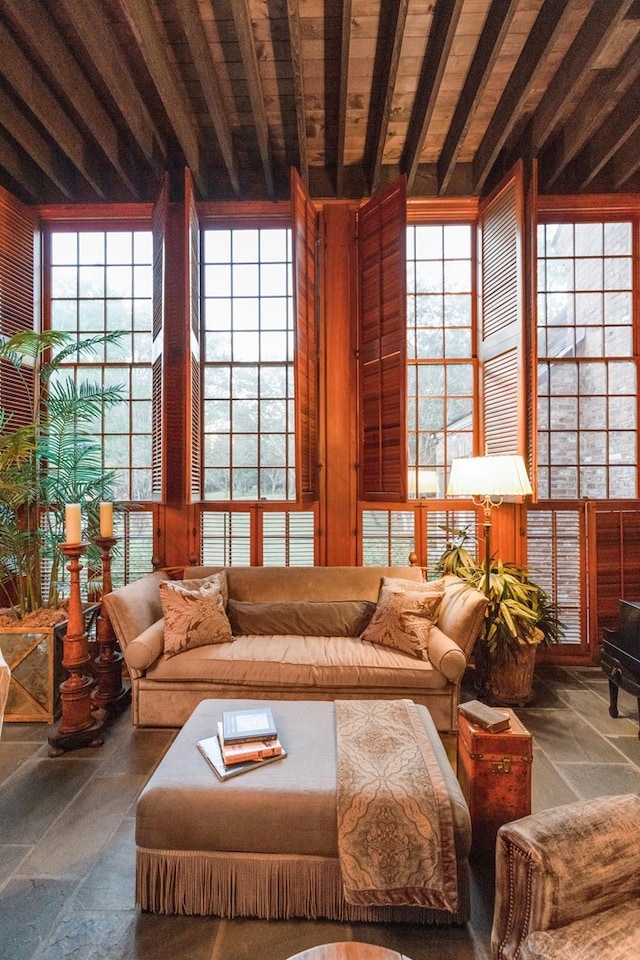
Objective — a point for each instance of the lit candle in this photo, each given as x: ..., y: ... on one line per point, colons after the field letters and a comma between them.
x: 106, y: 519
x: 72, y: 523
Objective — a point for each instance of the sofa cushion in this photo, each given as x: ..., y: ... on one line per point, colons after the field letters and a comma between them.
x: 403, y: 619
x: 316, y: 663
x: 614, y: 934
x: 342, y: 618
x: 135, y: 607
x: 213, y: 581
x: 193, y: 618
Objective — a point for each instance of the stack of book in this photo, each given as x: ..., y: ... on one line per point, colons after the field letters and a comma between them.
x: 245, y: 739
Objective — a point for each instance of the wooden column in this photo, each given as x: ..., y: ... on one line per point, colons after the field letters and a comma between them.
x: 78, y: 726
x: 110, y: 694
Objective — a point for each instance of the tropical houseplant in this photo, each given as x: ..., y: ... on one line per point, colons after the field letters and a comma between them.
x: 49, y: 456
x: 519, y: 616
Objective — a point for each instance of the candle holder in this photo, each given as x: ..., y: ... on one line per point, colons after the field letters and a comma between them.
x: 110, y: 694
x: 78, y: 726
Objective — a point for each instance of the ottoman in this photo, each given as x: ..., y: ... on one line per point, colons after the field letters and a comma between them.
x: 265, y: 843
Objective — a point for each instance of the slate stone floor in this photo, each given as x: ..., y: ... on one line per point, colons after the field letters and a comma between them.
x: 67, y: 840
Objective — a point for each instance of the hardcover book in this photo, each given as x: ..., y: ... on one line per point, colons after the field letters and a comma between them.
x: 254, y: 723
x: 248, y: 749
x: 210, y: 750
x: 484, y: 716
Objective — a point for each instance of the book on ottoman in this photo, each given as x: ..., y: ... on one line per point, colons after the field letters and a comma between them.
x: 210, y: 750
x: 251, y: 724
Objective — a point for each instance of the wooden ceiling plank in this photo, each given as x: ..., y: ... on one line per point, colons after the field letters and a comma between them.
x: 174, y: 100
x: 443, y: 28
x: 495, y: 28
x: 390, y: 36
x: 602, y: 95
x: 242, y: 20
x: 192, y: 26
x: 619, y: 126
x: 41, y: 151
x: 345, y: 44
x: 34, y: 22
x: 548, y: 25
x: 625, y: 164
x: 96, y: 35
x: 30, y: 87
x: 295, y: 41
x: 591, y: 38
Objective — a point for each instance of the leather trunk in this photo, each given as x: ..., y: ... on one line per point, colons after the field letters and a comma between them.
x: 494, y: 771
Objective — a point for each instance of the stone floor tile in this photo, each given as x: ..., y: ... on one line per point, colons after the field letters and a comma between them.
x: 567, y: 737
x: 629, y: 746
x: 13, y: 754
x: 593, y: 708
x: 29, y: 909
x: 548, y: 788
x: 600, y: 780
x: 247, y: 939
x: 111, y: 883
x: 11, y: 855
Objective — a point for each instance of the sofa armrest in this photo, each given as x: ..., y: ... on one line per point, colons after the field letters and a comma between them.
x: 564, y: 864
x: 142, y: 652
x: 445, y: 655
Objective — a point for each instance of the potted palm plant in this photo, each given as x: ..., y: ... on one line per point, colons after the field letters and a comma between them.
x: 520, y: 615
x: 49, y: 456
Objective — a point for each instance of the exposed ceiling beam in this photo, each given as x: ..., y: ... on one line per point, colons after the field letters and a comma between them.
x: 39, y: 148
x: 295, y: 43
x: 40, y: 100
x: 97, y: 37
x: 591, y: 38
x: 19, y: 168
x: 242, y: 20
x: 549, y: 24
x: 443, y: 28
x: 191, y: 23
x: 577, y: 129
x: 393, y: 15
x: 343, y: 98
x: 621, y: 123
x: 625, y: 164
x: 172, y: 95
x: 36, y: 27
x: 487, y: 51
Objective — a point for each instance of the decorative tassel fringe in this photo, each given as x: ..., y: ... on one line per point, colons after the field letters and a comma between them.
x: 267, y: 886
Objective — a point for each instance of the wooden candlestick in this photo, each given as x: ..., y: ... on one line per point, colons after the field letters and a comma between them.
x: 78, y: 726
x: 110, y: 694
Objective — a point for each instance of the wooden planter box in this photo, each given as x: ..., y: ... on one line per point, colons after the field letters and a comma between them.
x: 34, y: 657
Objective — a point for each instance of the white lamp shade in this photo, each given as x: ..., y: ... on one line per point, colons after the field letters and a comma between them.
x: 493, y: 476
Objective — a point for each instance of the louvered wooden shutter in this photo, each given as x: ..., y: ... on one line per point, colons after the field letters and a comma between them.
x: 18, y: 268
x: 159, y: 231
x: 501, y: 346
x: 383, y: 345
x: 192, y: 243
x: 305, y: 231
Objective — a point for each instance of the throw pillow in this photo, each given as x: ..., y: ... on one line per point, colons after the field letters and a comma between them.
x: 192, y: 618
x: 339, y: 618
x: 215, y: 581
x: 403, y: 619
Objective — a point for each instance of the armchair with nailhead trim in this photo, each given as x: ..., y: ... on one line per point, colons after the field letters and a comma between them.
x: 568, y: 883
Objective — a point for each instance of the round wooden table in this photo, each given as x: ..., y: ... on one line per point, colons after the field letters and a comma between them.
x: 348, y: 950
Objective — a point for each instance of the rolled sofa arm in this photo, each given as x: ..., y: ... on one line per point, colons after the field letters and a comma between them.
x: 564, y: 864
x: 445, y: 655
x: 146, y: 648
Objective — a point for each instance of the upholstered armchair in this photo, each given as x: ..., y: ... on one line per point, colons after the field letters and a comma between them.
x: 568, y: 883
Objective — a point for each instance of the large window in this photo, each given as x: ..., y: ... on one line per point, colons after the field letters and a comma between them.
x: 248, y: 374
x: 587, y: 409
x: 440, y: 372
x: 101, y: 281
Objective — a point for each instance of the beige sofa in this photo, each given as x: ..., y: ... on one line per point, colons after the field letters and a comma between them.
x: 292, y: 665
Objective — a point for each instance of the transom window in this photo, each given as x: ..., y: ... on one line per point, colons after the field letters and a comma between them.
x: 248, y: 378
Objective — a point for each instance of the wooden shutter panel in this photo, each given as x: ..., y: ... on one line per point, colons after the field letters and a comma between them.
x: 383, y: 345
x: 19, y: 266
x: 501, y: 346
x: 305, y: 230
x: 194, y: 435
x: 159, y: 232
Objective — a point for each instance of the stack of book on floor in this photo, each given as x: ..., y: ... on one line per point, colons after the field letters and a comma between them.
x: 246, y: 739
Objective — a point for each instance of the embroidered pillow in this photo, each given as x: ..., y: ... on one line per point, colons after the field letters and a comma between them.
x: 404, y: 618
x: 192, y: 618
x: 215, y: 581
